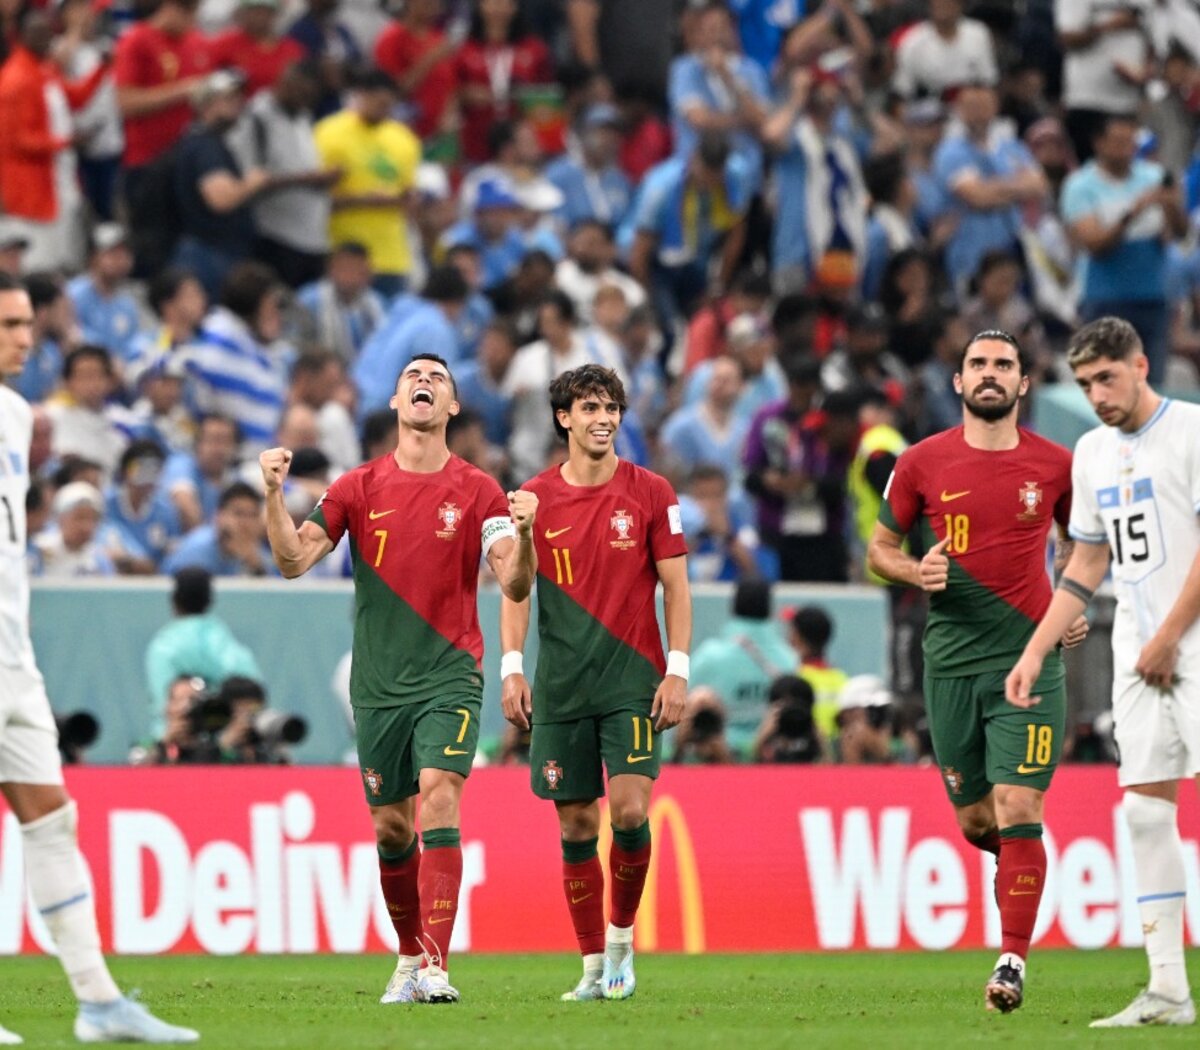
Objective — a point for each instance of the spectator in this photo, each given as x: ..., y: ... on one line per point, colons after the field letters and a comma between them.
x: 159, y: 413
x: 941, y: 404
x: 589, y: 266
x: 255, y: 47
x: 83, y: 425
x: 865, y: 731
x: 329, y: 43
x: 467, y: 439
x: 591, y: 182
x: 177, y: 300
x: 319, y: 382
x: 796, y: 462
x: 194, y: 481
x: 106, y: 311
x: 879, y: 446
x: 1172, y: 119
x: 342, y: 310
x: 519, y: 299
x: 998, y: 302
x: 54, y: 335
x: 38, y: 184
x: 496, y: 63
x: 700, y: 738
x: 493, y: 232
x: 237, y: 367
x: 715, y: 88
x: 909, y: 299
x: 647, y: 139
x: 212, y: 192
x: 689, y: 210
x: 711, y: 431
x: 481, y: 383
x: 892, y: 224
x: 941, y: 54
x: 626, y: 39
x: 478, y: 311
x: 378, y: 159
x: 423, y: 325
x: 985, y: 174
x: 822, y: 202
x: 811, y: 633
x: 291, y: 216
x: 70, y: 548
x: 864, y: 360
x: 420, y: 57
x: 787, y: 733
x: 1105, y: 52
x: 158, y: 64
x: 743, y: 660
x: 924, y: 123
x: 751, y: 343
x: 516, y: 158
x: 723, y: 544
x: 140, y: 522
x: 708, y: 330
x: 13, y: 245
x: 379, y: 431
x: 234, y: 544
x: 1120, y: 212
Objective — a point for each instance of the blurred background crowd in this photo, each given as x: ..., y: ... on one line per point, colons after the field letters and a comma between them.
x: 778, y: 220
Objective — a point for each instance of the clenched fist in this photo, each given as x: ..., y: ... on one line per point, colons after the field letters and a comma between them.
x: 275, y: 463
x: 935, y: 567
x: 522, y: 505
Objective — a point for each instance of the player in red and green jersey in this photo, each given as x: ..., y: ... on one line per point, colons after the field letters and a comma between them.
x: 418, y: 519
x: 984, y: 497
x: 608, y: 533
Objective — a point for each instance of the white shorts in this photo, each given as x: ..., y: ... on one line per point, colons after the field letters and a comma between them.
x: 1157, y: 733
x: 28, y: 735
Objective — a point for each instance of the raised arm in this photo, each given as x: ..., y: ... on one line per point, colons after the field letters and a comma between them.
x: 514, y: 561
x: 295, y: 550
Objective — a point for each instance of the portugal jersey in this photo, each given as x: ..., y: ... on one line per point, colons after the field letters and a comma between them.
x: 997, y: 508
x: 16, y: 430
x: 416, y: 541
x: 1140, y: 494
x: 599, y: 642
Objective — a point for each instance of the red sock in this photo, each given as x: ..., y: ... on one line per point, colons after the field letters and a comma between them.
x: 583, y: 884
x: 629, y: 868
x: 399, y: 881
x: 1020, y: 878
x: 441, y: 876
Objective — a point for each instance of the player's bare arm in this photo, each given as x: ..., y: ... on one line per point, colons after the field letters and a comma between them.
x: 886, y: 556
x: 1081, y: 577
x: 1156, y: 662
x: 295, y: 550
x: 516, y: 698
x: 671, y: 694
x: 514, y: 561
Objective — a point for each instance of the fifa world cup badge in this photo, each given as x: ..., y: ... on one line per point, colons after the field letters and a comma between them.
x: 553, y: 775
x: 450, y: 517
x: 1031, y: 498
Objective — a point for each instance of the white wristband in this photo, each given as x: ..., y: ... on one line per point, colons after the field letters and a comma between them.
x: 678, y: 664
x: 512, y: 663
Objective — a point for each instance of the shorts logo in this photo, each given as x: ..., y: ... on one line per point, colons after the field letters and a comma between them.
x: 374, y: 780
x: 1031, y: 497
x: 552, y: 774
x: 622, y: 522
x: 450, y: 517
x: 954, y: 779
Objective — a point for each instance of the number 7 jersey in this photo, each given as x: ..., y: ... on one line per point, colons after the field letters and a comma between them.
x: 1140, y: 494
x: 599, y: 645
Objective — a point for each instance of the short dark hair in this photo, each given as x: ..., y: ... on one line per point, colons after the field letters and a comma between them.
x: 239, y: 687
x: 713, y: 149
x: 436, y: 360
x: 165, y: 285
x: 8, y: 283
x: 43, y: 288
x: 245, y: 287
x: 445, y: 285
x: 238, y: 490
x: 221, y: 420
x: 1109, y: 120
x: 792, y: 689
x: 143, y: 448
x: 578, y: 383
x: 563, y: 303
x: 813, y: 625
x: 83, y: 353
x: 752, y: 600
x: 192, y: 593
x: 595, y: 224
x: 313, y: 361
x: 1111, y: 338
x: 883, y: 175
x: 708, y: 472
x: 1024, y: 361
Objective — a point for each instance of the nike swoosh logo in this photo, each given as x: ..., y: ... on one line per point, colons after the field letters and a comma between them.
x: 949, y: 497
x: 1024, y: 769
x: 452, y: 751
x: 444, y: 918
x: 557, y: 532
x: 376, y: 514
x: 1022, y: 893
x: 580, y: 900
x: 637, y: 758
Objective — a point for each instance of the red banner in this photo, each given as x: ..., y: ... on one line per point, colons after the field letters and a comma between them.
x: 745, y: 859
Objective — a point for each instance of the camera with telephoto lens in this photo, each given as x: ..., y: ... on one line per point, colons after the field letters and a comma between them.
x: 707, y: 723
x: 266, y: 734
x: 76, y: 733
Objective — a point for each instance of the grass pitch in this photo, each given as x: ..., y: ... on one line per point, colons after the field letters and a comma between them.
x: 877, y: 1000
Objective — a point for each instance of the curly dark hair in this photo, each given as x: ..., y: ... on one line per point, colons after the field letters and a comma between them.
x: 581, y: 382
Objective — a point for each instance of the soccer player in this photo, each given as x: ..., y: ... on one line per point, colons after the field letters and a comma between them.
x: 985, y: 495
x: 1137, y: 494
x: 602, y: 690
x: 30, y: 771
x: 419, y: 520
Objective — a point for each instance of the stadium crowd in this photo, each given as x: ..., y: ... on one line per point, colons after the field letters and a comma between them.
x: 777, y: 221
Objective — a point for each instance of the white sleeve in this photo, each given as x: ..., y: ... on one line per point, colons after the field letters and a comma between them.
x: 495, y: 529
x: 1086, y: 524
x: 1072, y: 16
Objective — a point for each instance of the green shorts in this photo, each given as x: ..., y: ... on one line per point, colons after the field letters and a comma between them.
x: 980, y: 739
x: 565, y: 757
x: 396, y: 743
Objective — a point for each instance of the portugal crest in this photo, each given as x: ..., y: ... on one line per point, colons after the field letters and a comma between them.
x: 954, y: 779
x: 1031, y: 498
x: 552, y: 774
x: 451, y: 518
x: 622, y: 522
x: 374, y: 781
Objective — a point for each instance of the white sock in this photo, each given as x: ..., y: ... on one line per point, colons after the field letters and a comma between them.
x: 1013, y: 960
x: 1161, y: 886
x: 617, y: 941
x: 593, y: 965
x: 411, y: 962
x: 58, y: 882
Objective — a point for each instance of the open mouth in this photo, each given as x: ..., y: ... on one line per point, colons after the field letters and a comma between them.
x: 422, y: 397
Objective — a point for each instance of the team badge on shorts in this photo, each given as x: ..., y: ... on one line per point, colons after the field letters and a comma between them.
x: 954, y: 779
x: 1031, y: 498
x: 622, y: 522
x: 450, y: 516
x: 374, y: 780
x: 552, y: 774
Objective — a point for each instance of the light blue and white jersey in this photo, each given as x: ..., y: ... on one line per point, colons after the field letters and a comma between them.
x: 1140, y: 493
x: 16, y: 430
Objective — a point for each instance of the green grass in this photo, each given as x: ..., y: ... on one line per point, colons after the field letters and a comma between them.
x: 745, y: 1002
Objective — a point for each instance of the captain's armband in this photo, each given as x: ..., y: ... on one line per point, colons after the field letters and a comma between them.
x: 1084, y: 594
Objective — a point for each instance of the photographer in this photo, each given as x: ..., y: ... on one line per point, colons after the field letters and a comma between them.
x: 182, y: 741
x: 700, y: 738
x: 866, y: 719
x: 787, y: 733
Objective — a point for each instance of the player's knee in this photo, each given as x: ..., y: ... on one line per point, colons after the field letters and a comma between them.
x: 975, y: 822
x: 627, y: 814
x: 1017, y: 805
x: 579, y: 824
x: 393, y: 829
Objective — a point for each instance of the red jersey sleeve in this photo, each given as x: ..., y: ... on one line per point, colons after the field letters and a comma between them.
x: 130, y: 61
x: 333, y: 512
x: 390, y: 50
x: 1062, y: 506
x: 902, y: 498
x: 666, y: 523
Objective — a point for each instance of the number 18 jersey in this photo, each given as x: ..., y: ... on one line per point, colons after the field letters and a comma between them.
x: 1140, y: 494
